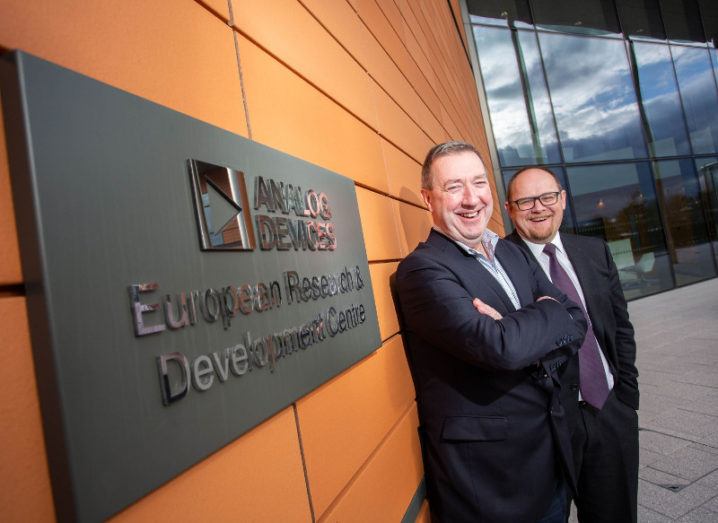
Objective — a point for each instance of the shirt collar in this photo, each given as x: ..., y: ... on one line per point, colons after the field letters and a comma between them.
x: 537, y: 248
x: 489, y: 240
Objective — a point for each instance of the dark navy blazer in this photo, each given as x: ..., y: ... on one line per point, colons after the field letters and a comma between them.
x: 493, y: 432
x: 607, y: 308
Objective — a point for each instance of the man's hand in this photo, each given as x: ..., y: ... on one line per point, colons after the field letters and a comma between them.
x: 487, y: 310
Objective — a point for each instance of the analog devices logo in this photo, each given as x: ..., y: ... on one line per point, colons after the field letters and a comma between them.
x: 222, y: 208
x: 283, y: 217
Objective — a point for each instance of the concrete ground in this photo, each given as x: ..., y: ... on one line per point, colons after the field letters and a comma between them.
x: 677, y: 338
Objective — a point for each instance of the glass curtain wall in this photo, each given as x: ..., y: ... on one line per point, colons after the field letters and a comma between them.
x: 620, y: 99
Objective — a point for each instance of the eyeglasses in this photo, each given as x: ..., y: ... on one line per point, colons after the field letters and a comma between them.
x: 547, y: 199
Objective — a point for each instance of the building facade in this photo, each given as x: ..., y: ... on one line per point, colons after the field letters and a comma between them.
x: 360, y: 87
x: 618, y: 98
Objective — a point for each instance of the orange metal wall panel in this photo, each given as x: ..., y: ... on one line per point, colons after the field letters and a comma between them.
x: 388, y: 322
x: 25, y: 493
x: 361, y: 87
x: 421, y: 48
x: 379, y: 26
x: 448, y: 120
x: 414, y: 225
x: 343, y: 422
x: 177, y: 55
x: 399, y: 129
x: 289, y: 114
x: 412, y: 38
x: 258, y: 477
x: 289, y: 32
x: 424, y: 79
x: 456, y: 10
x: 220, y: 7
x: 10, y: 272
x: 387, y: 483
x: 403, y: 173
x: 344, y: 24
x: 415, y: 13
x: 379, y: 225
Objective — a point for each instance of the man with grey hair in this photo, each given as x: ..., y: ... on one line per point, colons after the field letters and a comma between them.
x: 494, y: 439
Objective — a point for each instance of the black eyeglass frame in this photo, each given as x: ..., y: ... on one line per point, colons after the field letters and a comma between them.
x: 553, y: 198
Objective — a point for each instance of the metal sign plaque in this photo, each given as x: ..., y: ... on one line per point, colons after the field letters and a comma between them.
x: 183, y: 283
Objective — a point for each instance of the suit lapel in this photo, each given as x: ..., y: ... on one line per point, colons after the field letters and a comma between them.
x: 516, y: 273
x: 471, y: 266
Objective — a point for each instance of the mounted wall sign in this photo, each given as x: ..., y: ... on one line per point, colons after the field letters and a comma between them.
x: 183, y: 283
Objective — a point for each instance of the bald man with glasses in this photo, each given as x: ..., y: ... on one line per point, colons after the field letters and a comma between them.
x: 599, y: 386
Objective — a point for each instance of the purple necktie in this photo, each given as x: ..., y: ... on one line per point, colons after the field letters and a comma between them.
x: 593, y: 384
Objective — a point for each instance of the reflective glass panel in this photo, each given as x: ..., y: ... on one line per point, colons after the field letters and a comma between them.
x: 567, y: 225
x: 500, y: 12
x: 709, y: 17
x: 682, y: 20
x: 641, y: 18
x: 516, y: 92
x: 586, y: 16
x: 667, y: 135
x: 700, y: 98
x: 708, y: 180
x: 593, y: 98
x: 618, y: 203
x: 685, y: 218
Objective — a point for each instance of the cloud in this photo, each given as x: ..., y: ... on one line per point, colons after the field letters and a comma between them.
x: 593, y: 95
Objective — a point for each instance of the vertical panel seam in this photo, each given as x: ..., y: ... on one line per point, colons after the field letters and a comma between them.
x: 367, y: 461
x: 372, y: 76
x: 304, y: 461
x: 241, y: 77
x: 437, y: 117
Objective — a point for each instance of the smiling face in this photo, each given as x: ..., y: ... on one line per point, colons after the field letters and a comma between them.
x: 539, y: 224
x: 460, y: 197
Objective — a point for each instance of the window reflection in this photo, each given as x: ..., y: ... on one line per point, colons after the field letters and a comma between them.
x: 682, y: 20
x: 700, y: 99
x: 618, y: 203
x: 586, y: 16
x: 708, y: 180
x: 593, y: 98
x: 500, y: 12
x: 627, y: 119
x: 518, y: 101
x: 687, y: 233
x: 709, y: 16
x: 641, y: 19
x: 658, y: 92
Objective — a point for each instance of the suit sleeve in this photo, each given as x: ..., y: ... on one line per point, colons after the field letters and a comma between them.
x: 625, y: 337
x: 438, y: 308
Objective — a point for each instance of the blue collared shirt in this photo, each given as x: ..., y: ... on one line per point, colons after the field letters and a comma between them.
x: 491, y: 264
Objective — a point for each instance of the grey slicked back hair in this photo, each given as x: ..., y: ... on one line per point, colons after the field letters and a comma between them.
x: 443, y: 149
